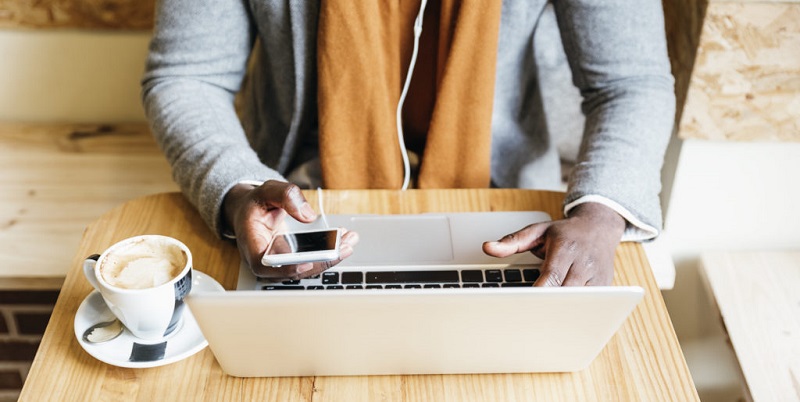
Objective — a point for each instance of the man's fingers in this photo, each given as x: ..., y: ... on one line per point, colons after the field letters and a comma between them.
x: 552, y: 277
x: 253, y: 238
x: 560, y: 254
x: 530, y: 238
x: 289, y: 197
x: 601, y: 278
x: 578, y: 250
x: 272, y: 200
x: 576, y: 276
x: 349, y: 240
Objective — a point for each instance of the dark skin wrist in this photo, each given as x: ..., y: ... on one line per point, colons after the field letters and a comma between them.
x: 600, y: 215
x: 231, y: 203
x: 578, y: 250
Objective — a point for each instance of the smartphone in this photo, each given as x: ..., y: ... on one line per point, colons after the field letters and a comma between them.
x: 304, y: 246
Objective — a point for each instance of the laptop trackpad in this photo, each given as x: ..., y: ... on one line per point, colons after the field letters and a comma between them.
x: 401, y: 239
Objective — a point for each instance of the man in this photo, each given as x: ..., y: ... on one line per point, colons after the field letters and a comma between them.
x: 325, y: 76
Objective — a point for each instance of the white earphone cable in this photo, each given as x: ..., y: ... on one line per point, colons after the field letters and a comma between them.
x: 399, y: 116
x: 321, y: 208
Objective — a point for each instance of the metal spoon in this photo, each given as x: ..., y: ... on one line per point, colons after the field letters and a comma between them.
x: 103, y: 332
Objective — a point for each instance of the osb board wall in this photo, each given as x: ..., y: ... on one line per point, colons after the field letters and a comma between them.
x: 84, y: 14
x: 746, y: 80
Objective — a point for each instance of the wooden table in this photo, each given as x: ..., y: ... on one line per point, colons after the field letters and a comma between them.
x: 642, y: 362
x: 758, y: 296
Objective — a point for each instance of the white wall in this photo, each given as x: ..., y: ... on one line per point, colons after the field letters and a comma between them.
x: 71, y: 76
x: 735, y: 196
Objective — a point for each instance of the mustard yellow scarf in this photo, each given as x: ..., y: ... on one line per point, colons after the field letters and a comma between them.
x: 364, y: 48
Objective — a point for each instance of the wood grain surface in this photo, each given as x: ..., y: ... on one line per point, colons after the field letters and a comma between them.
x: 58, y: 178
x: 758, y: 296
x: 642, y: 362
x: 746, y: 80
x: 83, y: 14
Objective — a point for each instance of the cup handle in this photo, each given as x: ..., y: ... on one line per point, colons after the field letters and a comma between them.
x: 88, y: 269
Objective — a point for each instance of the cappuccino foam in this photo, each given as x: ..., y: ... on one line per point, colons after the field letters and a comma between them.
x: 144, y: 263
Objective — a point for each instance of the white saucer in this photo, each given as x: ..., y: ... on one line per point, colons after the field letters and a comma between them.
x: 181, y: 344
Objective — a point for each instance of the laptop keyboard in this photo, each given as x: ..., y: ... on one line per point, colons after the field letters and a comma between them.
x: 353, y: 278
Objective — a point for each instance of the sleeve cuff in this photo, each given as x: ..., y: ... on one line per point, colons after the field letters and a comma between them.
x: 635, y: 230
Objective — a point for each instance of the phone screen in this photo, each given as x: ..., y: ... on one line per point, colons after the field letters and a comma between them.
x: 301, y: 247
x: 301, y: 242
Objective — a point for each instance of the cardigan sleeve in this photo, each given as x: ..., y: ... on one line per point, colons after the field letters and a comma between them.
x: 618, y: 56
x: 196, y: 64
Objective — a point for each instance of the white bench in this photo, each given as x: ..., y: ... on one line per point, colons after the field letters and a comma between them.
x: 758, y: 296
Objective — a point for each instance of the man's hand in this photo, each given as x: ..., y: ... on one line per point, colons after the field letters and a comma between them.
x: 256, y: 214
x: 577, y: 251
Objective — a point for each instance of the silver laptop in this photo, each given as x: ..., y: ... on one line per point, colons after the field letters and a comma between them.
x: 418, y: 296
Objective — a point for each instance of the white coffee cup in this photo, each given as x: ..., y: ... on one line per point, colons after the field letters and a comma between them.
x: 149, y: 311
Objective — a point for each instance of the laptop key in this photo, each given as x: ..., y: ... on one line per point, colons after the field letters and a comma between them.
x: 334, y: 287
x: 494, y: 275
x: 530, y: 274
x: 291, y: 282
x: 374, y: 287
x: 517, y: 284
x: 394, y: 286
x: 433, y: 286
x: 330, y: 278
x: 354, y: 287
x: 273, y: 287
x: 471, y: 285
x: 413, y: 287
x: 513, y: 275
x: 315, y: 287
x: 471, y: 276
x: 451, y: 285
x: 412, y: 276
x: 352, y: 277
x: 490, y: 285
